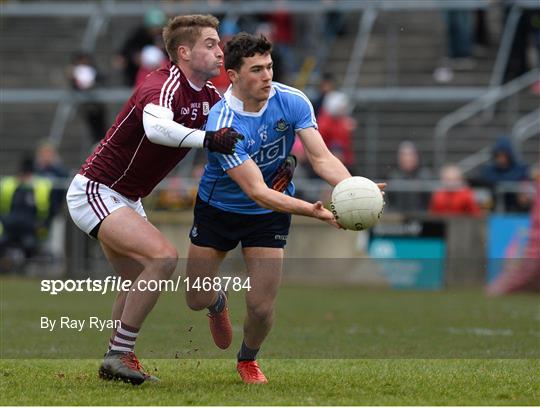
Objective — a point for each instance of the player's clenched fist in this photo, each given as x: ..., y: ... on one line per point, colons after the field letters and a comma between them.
x: 284, y: 174
x: 222, y: 140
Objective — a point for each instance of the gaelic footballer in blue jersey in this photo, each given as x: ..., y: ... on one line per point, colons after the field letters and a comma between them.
x: 236, y: 203
x: 270, y: 135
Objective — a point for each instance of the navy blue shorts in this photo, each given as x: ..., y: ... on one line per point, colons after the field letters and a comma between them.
x: 223, y: 230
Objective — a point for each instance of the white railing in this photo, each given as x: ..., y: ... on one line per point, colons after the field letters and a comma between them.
x: 478, y: 105
x: 100, y: 12
x: 365, y: 25
x: 525, y: 127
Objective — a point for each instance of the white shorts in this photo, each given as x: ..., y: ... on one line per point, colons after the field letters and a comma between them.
x: 90, y: 202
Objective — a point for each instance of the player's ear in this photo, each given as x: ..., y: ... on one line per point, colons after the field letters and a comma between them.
x: 183, y: 52
x: 232, y: 74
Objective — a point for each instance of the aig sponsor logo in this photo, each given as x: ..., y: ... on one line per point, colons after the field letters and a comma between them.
x: 270, y: 152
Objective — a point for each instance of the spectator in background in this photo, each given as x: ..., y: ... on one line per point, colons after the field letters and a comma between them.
x: 481, y: 29
x: 327, y: 84
x: 454, y: 197
x: 24, y: 214
x: 410, y: 171
x: 282, y: 28
x: 459, y: 33
x: 336, y: 126
x: 528, y: 23
x: 504, y: 166
x: 334, y: 25
x: 459, y: 41
x: 129, y: 58
x: 47, y: 164
x: 84, y: 76
x: 152, y: 58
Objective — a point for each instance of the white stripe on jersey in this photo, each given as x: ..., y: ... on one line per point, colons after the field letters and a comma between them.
x: 229, y: 122
x: 107, y: 141
x: 233, y: 159
x: 174, y: 77
x: 169, y: 102
x: 225, y: 119
x: 224, y: 109
x: 294, y: 91
x: 211, y: 85
x: 220, y: 116
x: 228, y: 160
x: 238, y: 158
x: 164, y: 86
x: 172, y: 84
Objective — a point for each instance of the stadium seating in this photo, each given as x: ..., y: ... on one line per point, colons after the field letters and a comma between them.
x: 404, y: 49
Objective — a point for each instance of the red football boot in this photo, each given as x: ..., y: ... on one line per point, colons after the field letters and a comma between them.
x: 250, y: 372
x: 220, y: 327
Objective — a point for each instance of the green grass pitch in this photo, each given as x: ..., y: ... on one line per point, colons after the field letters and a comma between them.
x: 329, y: 346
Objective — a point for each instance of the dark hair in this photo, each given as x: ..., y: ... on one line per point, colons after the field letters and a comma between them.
x: 185, y: 30
x: 244, y: 45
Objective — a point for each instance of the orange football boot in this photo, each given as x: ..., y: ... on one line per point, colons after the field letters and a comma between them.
x: 220, y: 327
x: 250, y: 372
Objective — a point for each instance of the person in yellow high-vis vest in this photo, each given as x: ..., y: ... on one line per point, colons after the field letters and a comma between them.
x: 25, y: 209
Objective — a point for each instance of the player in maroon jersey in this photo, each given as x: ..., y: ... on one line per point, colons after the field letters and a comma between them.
x: 156, y: 128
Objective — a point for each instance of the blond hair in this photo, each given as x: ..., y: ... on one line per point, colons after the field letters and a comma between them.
x: 185, y: 30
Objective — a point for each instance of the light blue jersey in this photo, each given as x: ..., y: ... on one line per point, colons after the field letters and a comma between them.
x: 269, y: 137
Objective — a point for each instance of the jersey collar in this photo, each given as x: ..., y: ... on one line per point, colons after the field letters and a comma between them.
x: 191, y: 84
x: 238, y: 106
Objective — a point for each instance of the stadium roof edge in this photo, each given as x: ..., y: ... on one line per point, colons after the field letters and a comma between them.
x: 132, y: 8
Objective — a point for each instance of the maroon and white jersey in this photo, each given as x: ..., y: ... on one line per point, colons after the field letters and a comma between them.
x: 125, y: 160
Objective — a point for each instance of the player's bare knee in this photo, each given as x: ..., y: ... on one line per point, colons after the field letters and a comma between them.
x: 262, y: 312
x: 167, y: 260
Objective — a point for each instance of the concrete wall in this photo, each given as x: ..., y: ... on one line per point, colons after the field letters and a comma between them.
x: 317, y: 252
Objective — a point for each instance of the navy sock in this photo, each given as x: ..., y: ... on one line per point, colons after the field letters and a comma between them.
x: 219, y: 305
x: 247, y: 354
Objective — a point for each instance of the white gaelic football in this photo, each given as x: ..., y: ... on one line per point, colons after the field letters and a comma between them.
x: 357, y: 203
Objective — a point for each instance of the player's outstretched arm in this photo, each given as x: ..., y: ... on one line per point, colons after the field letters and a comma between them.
x: 249, y: 178
x: 324, y: 163
x: 160, y: 128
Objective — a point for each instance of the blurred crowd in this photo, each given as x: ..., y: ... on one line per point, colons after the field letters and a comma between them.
x: 456, y: 194
x: 467, y: 33
x: 294, y: 38
x: 468, y: 36
x: 31, y: 199
x: 29, y: 202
